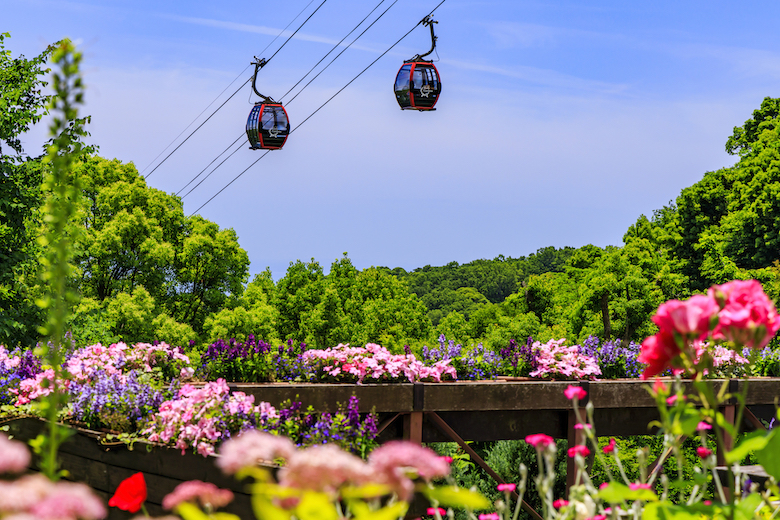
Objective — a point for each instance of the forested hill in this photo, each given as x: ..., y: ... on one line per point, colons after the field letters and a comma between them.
x: 144, y: 271
x: 465, y: 288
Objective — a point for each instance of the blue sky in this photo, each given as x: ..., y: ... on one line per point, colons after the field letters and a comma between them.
x: 559, y: 123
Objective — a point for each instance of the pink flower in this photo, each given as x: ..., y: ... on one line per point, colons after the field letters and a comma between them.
x: 69, y: 500
x: 633, y: 486
x: 579, y: 450
x: 433, y: 510
x: 14, y: 456
x: 747, y: 316
x: 395, y: 462
x: 560, y: 503
x: 690, y: 318
x: 489, y: 516
x: 603, y: 485
x: 447, y: 459
x: 657, y: 352
x: 507, y: 488
x: 539, y: 440
x: 703, y: 426
x: 673, y: 399
x: 703, y: 452
x: 204, y: 494
x: 324, y: 468
x: 572, y: 392
x: 581, y: 426
x: 609, y: 448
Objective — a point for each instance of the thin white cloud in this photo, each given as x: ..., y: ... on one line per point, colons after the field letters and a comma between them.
x: 260, y: 29
x: 544, y: 77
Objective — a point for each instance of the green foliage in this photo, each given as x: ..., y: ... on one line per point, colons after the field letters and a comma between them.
x: 22, y: 104
x: 57, y: 241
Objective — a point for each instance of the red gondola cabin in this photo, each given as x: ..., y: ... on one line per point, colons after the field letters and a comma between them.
x: 417, y: 85
x: 267, y: 126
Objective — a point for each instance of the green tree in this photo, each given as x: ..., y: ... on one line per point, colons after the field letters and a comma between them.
x: 765, y: 118
x: 297, y: 293
x: 210, y: 265
x: 253, y: 314
x: 130, y: 231
x: 22, y: 104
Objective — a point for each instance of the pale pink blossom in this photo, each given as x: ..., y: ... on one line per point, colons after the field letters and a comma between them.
x: 69, y: 500
x: 251, y: 448
x: 395, y: 462
x: 204, y: 494
x: 324, y: 468
x: 14, y: 456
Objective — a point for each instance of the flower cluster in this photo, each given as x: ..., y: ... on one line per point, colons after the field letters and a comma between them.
x: 375, y: 363
x: 35, y: 496
x: 327, y: 469
x: 119, y: 358
x: 200, y: 417
x: 16, y: 366
x: 115, y: 401
x: 470, y: 364
x: 254, y: 361
x: 615, y: 359
x: 738, y: 312
x: 555, y: 360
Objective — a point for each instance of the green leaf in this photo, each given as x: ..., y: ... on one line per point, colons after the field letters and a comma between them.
x: 224, y: 516
x: 752, y: 442
x: 189, y: 511
x: 615, y: 492
x: 769, y: 455
x: 453, y: 496
x: 748, y: 506
x: 367, y: 491
x: 266, y: 510
x: 669, y: 511
x: 391, y: 512
x: 316, y: 506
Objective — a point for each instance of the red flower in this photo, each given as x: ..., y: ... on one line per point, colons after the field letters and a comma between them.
x: 130, y: 494
x: 539, y: 440
x: 579, y: 450
x: 609, y: 448
x: 658, y: 352
x: 575, y: 391
x: 560, y: 503
x: 703, y: 452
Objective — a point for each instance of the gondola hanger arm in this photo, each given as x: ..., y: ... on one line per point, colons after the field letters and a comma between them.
x: 259, y: 64
x: 427, y: 21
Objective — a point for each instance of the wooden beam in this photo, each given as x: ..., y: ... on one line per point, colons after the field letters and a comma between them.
x: 446, y: 429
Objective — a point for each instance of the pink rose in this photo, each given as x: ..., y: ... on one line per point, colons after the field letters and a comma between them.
x: 658, y: 352
x: 690, y: 318
x: 747, y: 317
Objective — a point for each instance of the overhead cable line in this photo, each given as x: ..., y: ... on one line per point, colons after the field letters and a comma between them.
x: 342, y: 52
x: 318, y: 109
x: 239, y: 88
x: 241, y: 136
x: 334, y: 48
x: 196, y: 118
x: 296, y: 84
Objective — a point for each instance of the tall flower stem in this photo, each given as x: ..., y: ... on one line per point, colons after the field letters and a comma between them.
x: 61, y: 206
